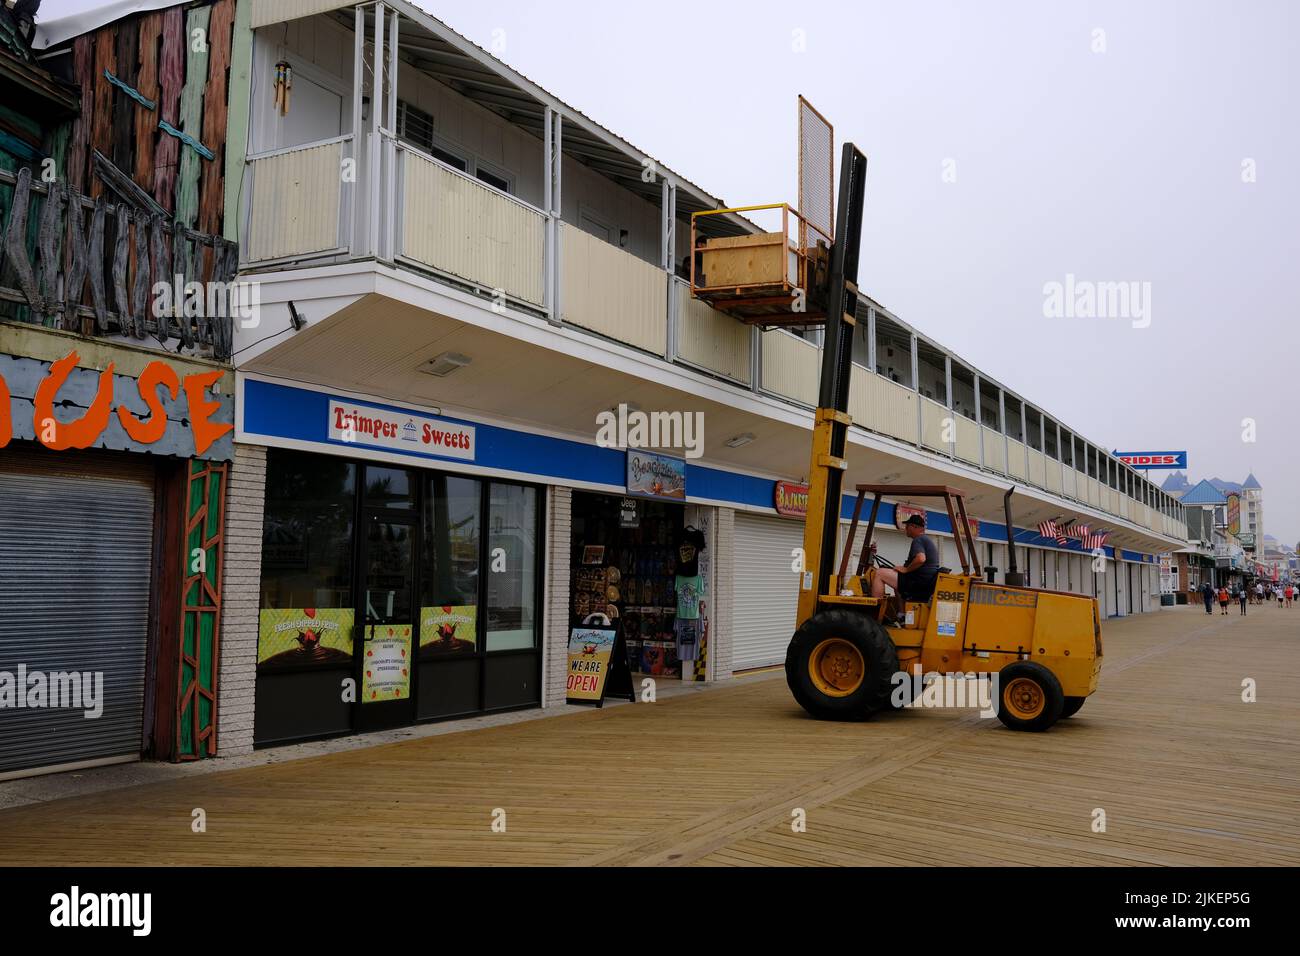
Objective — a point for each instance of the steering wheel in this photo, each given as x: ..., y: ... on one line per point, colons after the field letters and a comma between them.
x: 881, y: 561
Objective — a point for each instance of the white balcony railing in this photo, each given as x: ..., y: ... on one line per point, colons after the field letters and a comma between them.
x: 968, y: 440
x: 454, y: 224
x: 1016, y: 459
x: 933, y: 419
x: 711, y: 339
x: 883, y: 406
x: 995, y: 449
x: 611, y: 292
x: 299, y: 202
x: 790, y: 366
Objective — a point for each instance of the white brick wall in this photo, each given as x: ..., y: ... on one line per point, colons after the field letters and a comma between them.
x: 555, y: 632
x: 240, y: 587
x: 724, y: 572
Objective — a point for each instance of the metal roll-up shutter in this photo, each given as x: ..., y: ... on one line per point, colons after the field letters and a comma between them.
x: 765, y: 589
x: 76, y: 549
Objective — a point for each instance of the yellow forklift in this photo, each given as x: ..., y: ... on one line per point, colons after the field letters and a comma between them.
x: 848, y: 650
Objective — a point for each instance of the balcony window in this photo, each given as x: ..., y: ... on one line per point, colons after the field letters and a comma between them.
x: 1033, y: 424
x: 893, y: 351
x: 493, y: 179
x: 415, y: 126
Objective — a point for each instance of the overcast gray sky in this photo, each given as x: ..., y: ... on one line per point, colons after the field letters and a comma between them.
x: 1122, y: 165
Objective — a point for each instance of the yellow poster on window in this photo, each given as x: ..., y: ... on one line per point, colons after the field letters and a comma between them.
x: 387, y: 663
x: 448, y: 629
x: 291, y: 636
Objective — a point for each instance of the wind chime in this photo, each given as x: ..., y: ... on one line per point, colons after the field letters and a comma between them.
x: 283, y: 86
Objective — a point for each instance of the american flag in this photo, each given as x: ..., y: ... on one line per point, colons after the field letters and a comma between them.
x: 1079, y: 533
x: 1064, y: 532
x: 1092, y: 542
x: 1048, y: 529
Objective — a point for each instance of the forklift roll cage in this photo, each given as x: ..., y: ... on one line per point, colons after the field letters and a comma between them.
x: 954, y: 502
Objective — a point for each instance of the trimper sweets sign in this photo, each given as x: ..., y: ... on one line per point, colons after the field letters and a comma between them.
x: 356, y: 423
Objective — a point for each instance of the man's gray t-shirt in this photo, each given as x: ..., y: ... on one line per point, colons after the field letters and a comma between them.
x: 922, y: 544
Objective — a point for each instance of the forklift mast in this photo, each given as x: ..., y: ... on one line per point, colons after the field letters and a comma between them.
x: 831, y: 425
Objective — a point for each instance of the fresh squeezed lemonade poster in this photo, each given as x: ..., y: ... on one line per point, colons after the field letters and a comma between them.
x: 387, y: 673
x: 448, y: 628
x: 311, y: 635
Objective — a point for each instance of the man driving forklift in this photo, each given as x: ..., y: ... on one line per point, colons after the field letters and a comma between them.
x: 914, y: 579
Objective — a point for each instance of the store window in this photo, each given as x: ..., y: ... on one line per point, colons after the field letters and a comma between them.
x: 389, y: 488
x: 306, y: 598
x: 449, y: 594
x: 512, y: 568
x: 449, y: 558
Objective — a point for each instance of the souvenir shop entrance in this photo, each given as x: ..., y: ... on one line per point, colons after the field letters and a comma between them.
x: 625, y: 564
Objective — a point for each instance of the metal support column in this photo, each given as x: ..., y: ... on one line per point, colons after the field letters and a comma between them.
x: 389, y: 143
x: 916, y: 387
x: 376, y: 110
x: 355, y: 235
x: 1002, y: 425
x: 668, y: 248
x: 952, y: 406
x: 871, y: 339
x: 556, y: 211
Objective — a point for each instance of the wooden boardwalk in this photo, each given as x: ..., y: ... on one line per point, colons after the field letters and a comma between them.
x: 1185, y: 771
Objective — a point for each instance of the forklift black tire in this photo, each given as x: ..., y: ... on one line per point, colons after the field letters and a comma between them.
x: 1029, y: 696
x: 1072, y: 705
x: 841, y: 665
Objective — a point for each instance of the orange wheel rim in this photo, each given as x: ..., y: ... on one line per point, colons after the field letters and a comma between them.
x: 836, y: 667
x: 1024, y: 698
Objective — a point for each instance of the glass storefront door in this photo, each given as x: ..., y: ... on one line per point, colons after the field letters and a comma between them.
x: 387, y: 616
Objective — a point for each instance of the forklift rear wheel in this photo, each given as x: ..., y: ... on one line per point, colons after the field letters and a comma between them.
x: 841, y: 665
x: 1072, y: 705
x: 1030, y: 697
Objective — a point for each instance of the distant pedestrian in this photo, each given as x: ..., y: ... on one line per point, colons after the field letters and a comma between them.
x: 1207, y: 595
x: 1259, y: 593
x: 1244, y: 595
x: 1290, y: 593
x: 1223, y: 599
x: 1278, y: 592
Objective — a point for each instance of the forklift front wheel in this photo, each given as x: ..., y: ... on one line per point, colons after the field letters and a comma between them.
x: 841, y: 665
x: 1030, y: 696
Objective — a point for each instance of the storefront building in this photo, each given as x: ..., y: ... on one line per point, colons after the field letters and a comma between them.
x: 440, y: 336
x: 111, y: 541
x: 116, y: 401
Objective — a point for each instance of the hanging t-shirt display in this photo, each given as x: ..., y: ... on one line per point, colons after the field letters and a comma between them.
x: 690, y: 587
x: 689, y: 593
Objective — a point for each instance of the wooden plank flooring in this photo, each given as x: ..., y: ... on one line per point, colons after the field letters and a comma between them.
x: 1185, y: 771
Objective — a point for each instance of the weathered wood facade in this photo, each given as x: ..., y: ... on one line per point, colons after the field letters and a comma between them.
x: 154, y: 101
x: 135, y: 192
x: 119, y: 252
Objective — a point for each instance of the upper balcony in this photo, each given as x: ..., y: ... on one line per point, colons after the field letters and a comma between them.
x: 404, y: 143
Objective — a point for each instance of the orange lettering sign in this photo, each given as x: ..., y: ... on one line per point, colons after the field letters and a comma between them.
x: 146, y: 433
x: 79, y: 434
x: 86, y: 430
